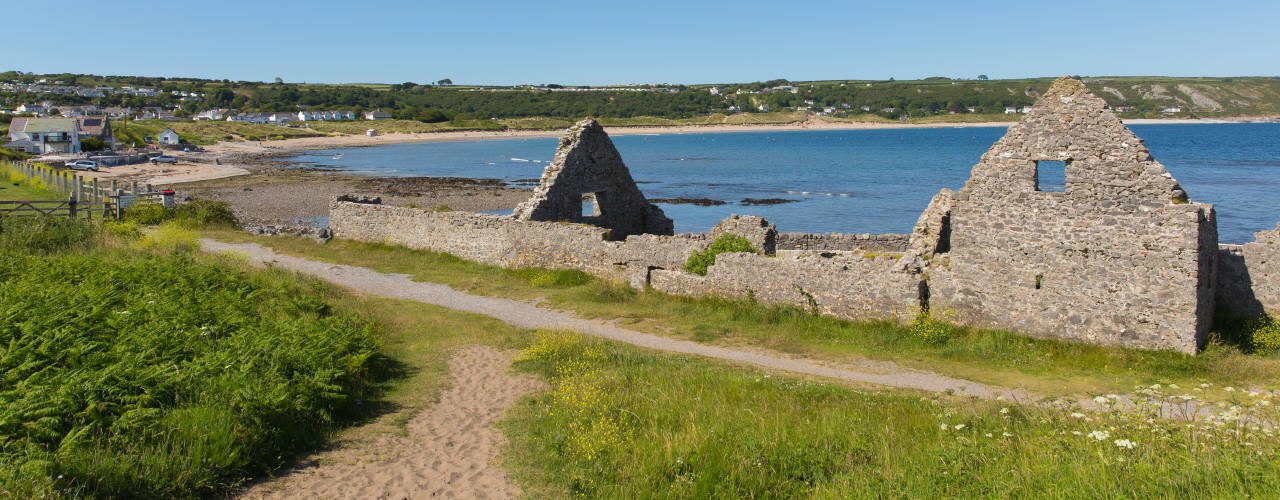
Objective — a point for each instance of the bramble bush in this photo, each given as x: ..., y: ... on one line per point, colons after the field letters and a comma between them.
x: 194, y: 214
x: 699, y: 261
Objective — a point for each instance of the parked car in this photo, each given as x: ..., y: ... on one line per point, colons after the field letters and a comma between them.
x: 83, y: 165
x: 164, y: 159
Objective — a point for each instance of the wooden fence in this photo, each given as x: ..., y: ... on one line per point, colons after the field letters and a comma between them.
x: 84, y: 195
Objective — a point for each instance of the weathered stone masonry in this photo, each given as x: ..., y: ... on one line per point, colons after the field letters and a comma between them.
x: 1118, y: 257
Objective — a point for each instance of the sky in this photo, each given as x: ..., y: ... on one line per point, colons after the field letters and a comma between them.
x: 640, y: 41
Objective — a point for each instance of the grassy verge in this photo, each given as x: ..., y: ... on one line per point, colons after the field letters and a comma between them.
x: 622, y: 422
x: 1045, y: 367
x: 134, y: 368
x: 16, y: 186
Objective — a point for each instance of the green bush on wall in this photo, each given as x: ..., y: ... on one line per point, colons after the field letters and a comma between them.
x: 726, y: 243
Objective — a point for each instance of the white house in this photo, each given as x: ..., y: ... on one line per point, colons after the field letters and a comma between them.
x: 1009, y: 110
x: 1172, y: 109
x: 280, y: 118
x: 212, y: 114
x: 169, y: 137
x: 34, y: 109
x: 377, y: 114
x: 764, y: 108
x: 45, y: 135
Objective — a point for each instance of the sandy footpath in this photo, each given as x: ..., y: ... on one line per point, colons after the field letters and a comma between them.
x: 449, y: 451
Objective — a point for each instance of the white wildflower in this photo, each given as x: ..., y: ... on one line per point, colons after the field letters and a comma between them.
x: 1102, y: 400
x: 1100, y: 435
x: 958, y: 426
x: 1229, y: 389
x: 1006, y: 434
x: 1004, y: 411
x: 943, y: 426
x: 1077, y: 415
x: 1125, y: 443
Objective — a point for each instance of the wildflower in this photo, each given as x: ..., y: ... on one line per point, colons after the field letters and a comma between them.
x: 943, y: 426
x: 1077, y: 415
x: 1174, y: 386
x: 1125, y: 443
x: 959, y: 426
x: 1204, y: 386
x: 1229, y: 389
x: 1006, y: 434
x: 988, y: 434
x: 1004, y: 411
x: 1075, y: 433
x: 1102, y: 400
x: 1100, y: 435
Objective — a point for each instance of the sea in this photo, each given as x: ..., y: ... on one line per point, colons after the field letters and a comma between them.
x: 848, y: 181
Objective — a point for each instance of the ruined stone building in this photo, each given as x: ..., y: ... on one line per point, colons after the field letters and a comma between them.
x: 1113, y: 253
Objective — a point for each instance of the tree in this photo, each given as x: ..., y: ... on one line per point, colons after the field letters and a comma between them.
x: 444, y: 81
x: 982, y: 77
x: 279, y: 80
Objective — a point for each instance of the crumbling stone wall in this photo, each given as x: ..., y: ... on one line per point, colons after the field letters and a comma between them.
x: 588, y: 168
x: 847, y: 285
x: 1249, y: 277
x: 757, y: 231
x: 1119, y: 257
x: 880, y: 243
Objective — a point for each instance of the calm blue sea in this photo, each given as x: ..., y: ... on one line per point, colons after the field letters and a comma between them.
x: 872, y: 181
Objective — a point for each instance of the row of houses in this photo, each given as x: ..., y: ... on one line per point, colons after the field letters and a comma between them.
x: 288, y: 117
x: 45, y: 87
x: 58, y: 135
x: 69, y: 111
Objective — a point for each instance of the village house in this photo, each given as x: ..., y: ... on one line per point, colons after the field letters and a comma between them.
x: 211, y: 114
x: 377, y: 114
x: 117, y: 112
x: 35, y: 109
x: 98, y: 127
x: 1172, y: 109
x: 1010, y: 110
x: 169, y: 137
x: 44, y: 135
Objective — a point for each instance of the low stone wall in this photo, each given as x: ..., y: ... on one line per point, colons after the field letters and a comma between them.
x: 844, y: 242
x: 849, y: 285
x: 842, y: 284
x: 1249, y: 277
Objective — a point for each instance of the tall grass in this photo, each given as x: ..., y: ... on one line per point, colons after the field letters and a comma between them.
x: 622, y: 422
x: 127, y: 373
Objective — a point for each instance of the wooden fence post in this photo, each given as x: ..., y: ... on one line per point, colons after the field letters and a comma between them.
x: 96, y: 195
x: 119, y: 208
x: 71, y: 206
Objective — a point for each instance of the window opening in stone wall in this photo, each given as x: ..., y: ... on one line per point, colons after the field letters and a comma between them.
x: 1051, y: 176
x: 591, y: 205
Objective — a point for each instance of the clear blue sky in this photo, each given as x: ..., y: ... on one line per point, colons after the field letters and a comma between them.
x: 582, y: 42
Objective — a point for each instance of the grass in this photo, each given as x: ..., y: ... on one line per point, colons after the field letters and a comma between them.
x: 132, y: 373
x: 16, y: 186
x: 1045, y: 367
x: 205, y: 132
x: 623, y: 422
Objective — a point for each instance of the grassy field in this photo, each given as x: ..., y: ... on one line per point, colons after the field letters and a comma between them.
x: 205, y: 132
x: 1046, y: 367
x: 622, y: 422
x: 16, y: 186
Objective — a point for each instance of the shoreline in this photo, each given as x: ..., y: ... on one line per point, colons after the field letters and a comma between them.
x: 232, y: 159
x: 345, y: 141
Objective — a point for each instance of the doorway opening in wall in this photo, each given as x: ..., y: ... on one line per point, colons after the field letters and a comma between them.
x: 590, y: 205
x: 1051, y: 176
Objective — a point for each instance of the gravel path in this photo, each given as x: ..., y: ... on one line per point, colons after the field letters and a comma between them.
x: 526, y: 315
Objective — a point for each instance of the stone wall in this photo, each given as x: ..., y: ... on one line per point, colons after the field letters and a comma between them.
x: 847, y: 285
x: 844, y: 242
x: 1249, y: 277
x: 1119, y: 257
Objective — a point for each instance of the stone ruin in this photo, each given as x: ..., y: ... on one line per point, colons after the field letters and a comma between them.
x: 1116, y: 254
x: 588, y: 169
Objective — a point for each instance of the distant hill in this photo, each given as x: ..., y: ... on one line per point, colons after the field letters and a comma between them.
x: 929, y: 99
